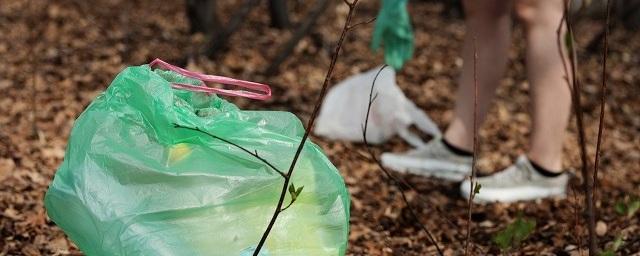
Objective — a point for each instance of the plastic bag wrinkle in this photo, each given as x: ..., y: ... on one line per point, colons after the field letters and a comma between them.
x: 120, y: 192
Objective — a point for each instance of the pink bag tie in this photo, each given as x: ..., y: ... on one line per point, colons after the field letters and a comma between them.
x: 259, y: 91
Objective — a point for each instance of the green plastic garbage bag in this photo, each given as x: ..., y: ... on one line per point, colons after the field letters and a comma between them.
x: 393, y: 29
x: 133, y: 183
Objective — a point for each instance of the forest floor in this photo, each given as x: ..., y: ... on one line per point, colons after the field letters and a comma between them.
x: 56, y: 56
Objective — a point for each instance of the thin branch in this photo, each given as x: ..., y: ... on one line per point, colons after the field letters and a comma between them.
x: 559, y: 41
x: 472, y: 182
x: 254, y: 153
x: 403, y: 184
x: 362, y: 23
x: 576, y: 218
x: 603, y: 97
x: 287, y: 207
x: 577, y: 107
x: 397, y: 181
x: 310, y: 124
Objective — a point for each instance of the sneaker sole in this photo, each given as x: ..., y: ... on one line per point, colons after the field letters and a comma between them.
x: 427, y: 167
x: 509, y: 195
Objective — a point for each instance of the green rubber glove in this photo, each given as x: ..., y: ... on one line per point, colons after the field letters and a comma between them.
x: 393, y: 27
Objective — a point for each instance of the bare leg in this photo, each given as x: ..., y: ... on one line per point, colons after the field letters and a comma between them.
x: 551, y: 97
x: 489, y: 21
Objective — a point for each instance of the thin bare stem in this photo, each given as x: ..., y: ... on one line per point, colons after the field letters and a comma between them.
x: 576, y: 219
x: 577, y: 107
x: 287, y: 207
x: 396, y: 180
x: 310, y: 124
x: 403, y: 184
x: 567, y: 78
x: 603, y: 97
x: 472, y: 182
x: 253, y: 153
x: 362, y: 23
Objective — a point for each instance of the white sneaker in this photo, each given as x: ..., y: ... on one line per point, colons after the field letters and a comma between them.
x: 517, y: 182
x: 432, y: 160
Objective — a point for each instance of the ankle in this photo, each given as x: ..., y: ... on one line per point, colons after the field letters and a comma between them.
x: 552, y: 163
x: 455, y: 149
x: 458, y: 142
x: 545, y: 171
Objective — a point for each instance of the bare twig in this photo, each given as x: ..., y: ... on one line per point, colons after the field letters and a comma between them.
x: 603, y: 97
x: 472, y: 182
x: 366, y: 22
x: 287, y: 207
x: 576, y: 219
x: 397, y: 181
x: 577, y: 107
x: 568, y: 79
x: 403, y: 184
x: 310, y: 124
x: 253, y: 153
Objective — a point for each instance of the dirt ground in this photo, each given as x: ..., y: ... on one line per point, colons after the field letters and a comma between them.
x: 56, y: 56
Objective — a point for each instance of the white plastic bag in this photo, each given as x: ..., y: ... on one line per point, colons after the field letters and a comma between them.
x: 345, y: 107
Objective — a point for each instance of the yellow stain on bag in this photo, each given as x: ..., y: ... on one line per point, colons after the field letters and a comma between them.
x: 178, y: 152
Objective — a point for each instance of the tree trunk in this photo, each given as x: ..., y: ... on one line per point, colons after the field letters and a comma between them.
x: 279, y: 13
x: 202, y: 16
x: 218, y: 38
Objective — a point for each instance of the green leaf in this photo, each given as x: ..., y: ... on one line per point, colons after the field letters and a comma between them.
x: 608, y: 252
x: 292, y: 192
x: 617, y: 243
x: 621, y: 208
x: 299, y: 190
x: 611, y: 251
x: 627, y: 209
x: 477, y: 188
x: 633, y: 207
x: 515, y: 233
x: 503, y: 239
